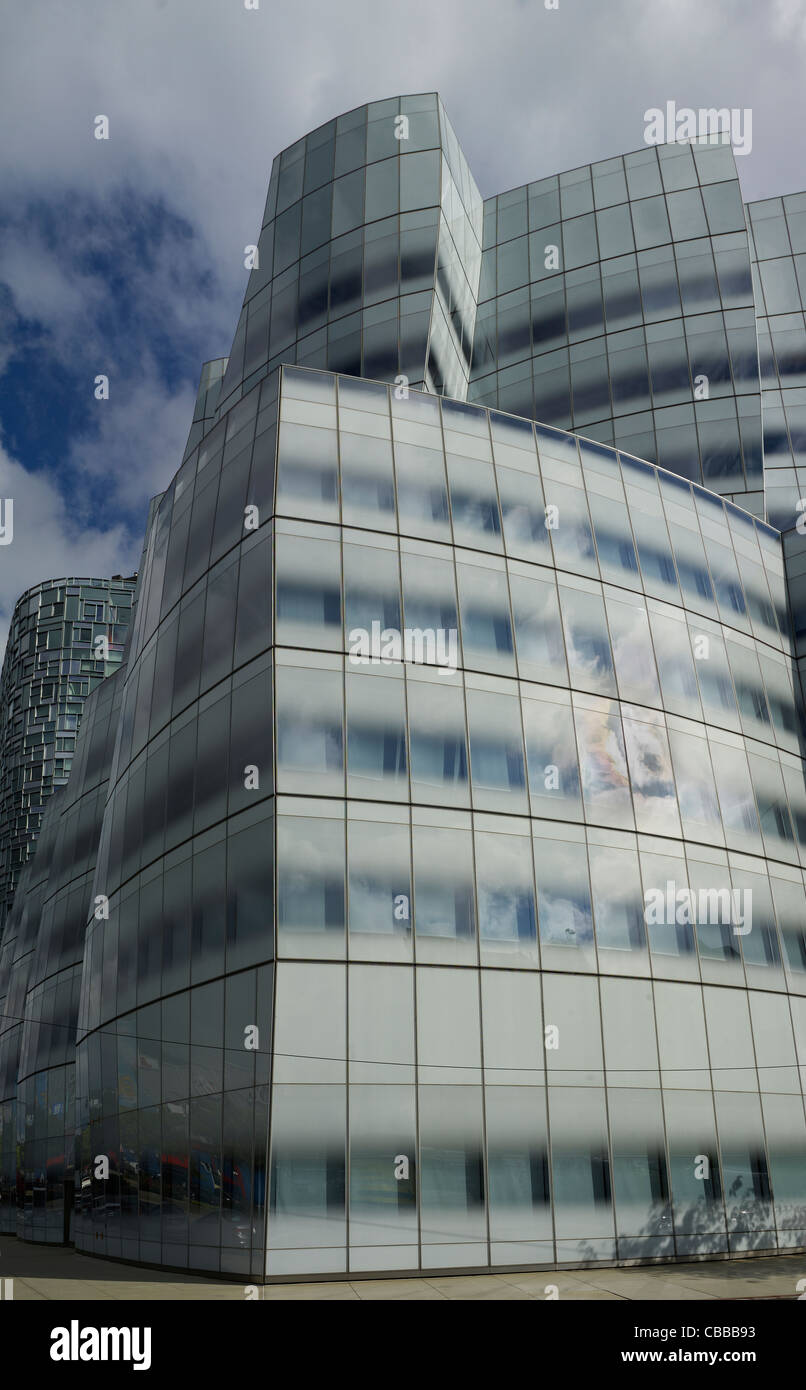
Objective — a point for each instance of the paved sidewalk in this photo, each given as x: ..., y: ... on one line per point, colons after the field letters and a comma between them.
x: 54, y: 1272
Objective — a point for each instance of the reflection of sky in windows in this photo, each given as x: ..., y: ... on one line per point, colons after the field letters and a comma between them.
x: 563, y: 900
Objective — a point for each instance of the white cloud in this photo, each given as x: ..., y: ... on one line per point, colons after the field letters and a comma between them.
x: 139, y: 442
x: 39, y: 284
x: 133, y: 442
x: 49, y: 542
x: 201, y: 94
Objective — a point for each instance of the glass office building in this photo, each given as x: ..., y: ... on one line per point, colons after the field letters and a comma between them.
x: 49, y: 669
x: 40, y: 978
x: 369, y: 255
x: 777, y: 228
x: 471, y: 1049
x: 448, y: 900
x: 617, y: 300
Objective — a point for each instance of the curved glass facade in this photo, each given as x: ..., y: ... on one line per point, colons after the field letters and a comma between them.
x: 46, y: 1121
x: 16, y: 956
x: 49, y: 669
x: 369, y: 256
x: 474, y: 1045
x: 777, y: 228
x: 442, y: 897
x: 616, y: 299
x: 40, y: 976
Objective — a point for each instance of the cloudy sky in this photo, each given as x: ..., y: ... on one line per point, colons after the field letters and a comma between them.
x: 125, y: 257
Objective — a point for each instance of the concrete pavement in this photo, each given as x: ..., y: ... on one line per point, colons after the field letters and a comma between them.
x: 43, y: 1272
